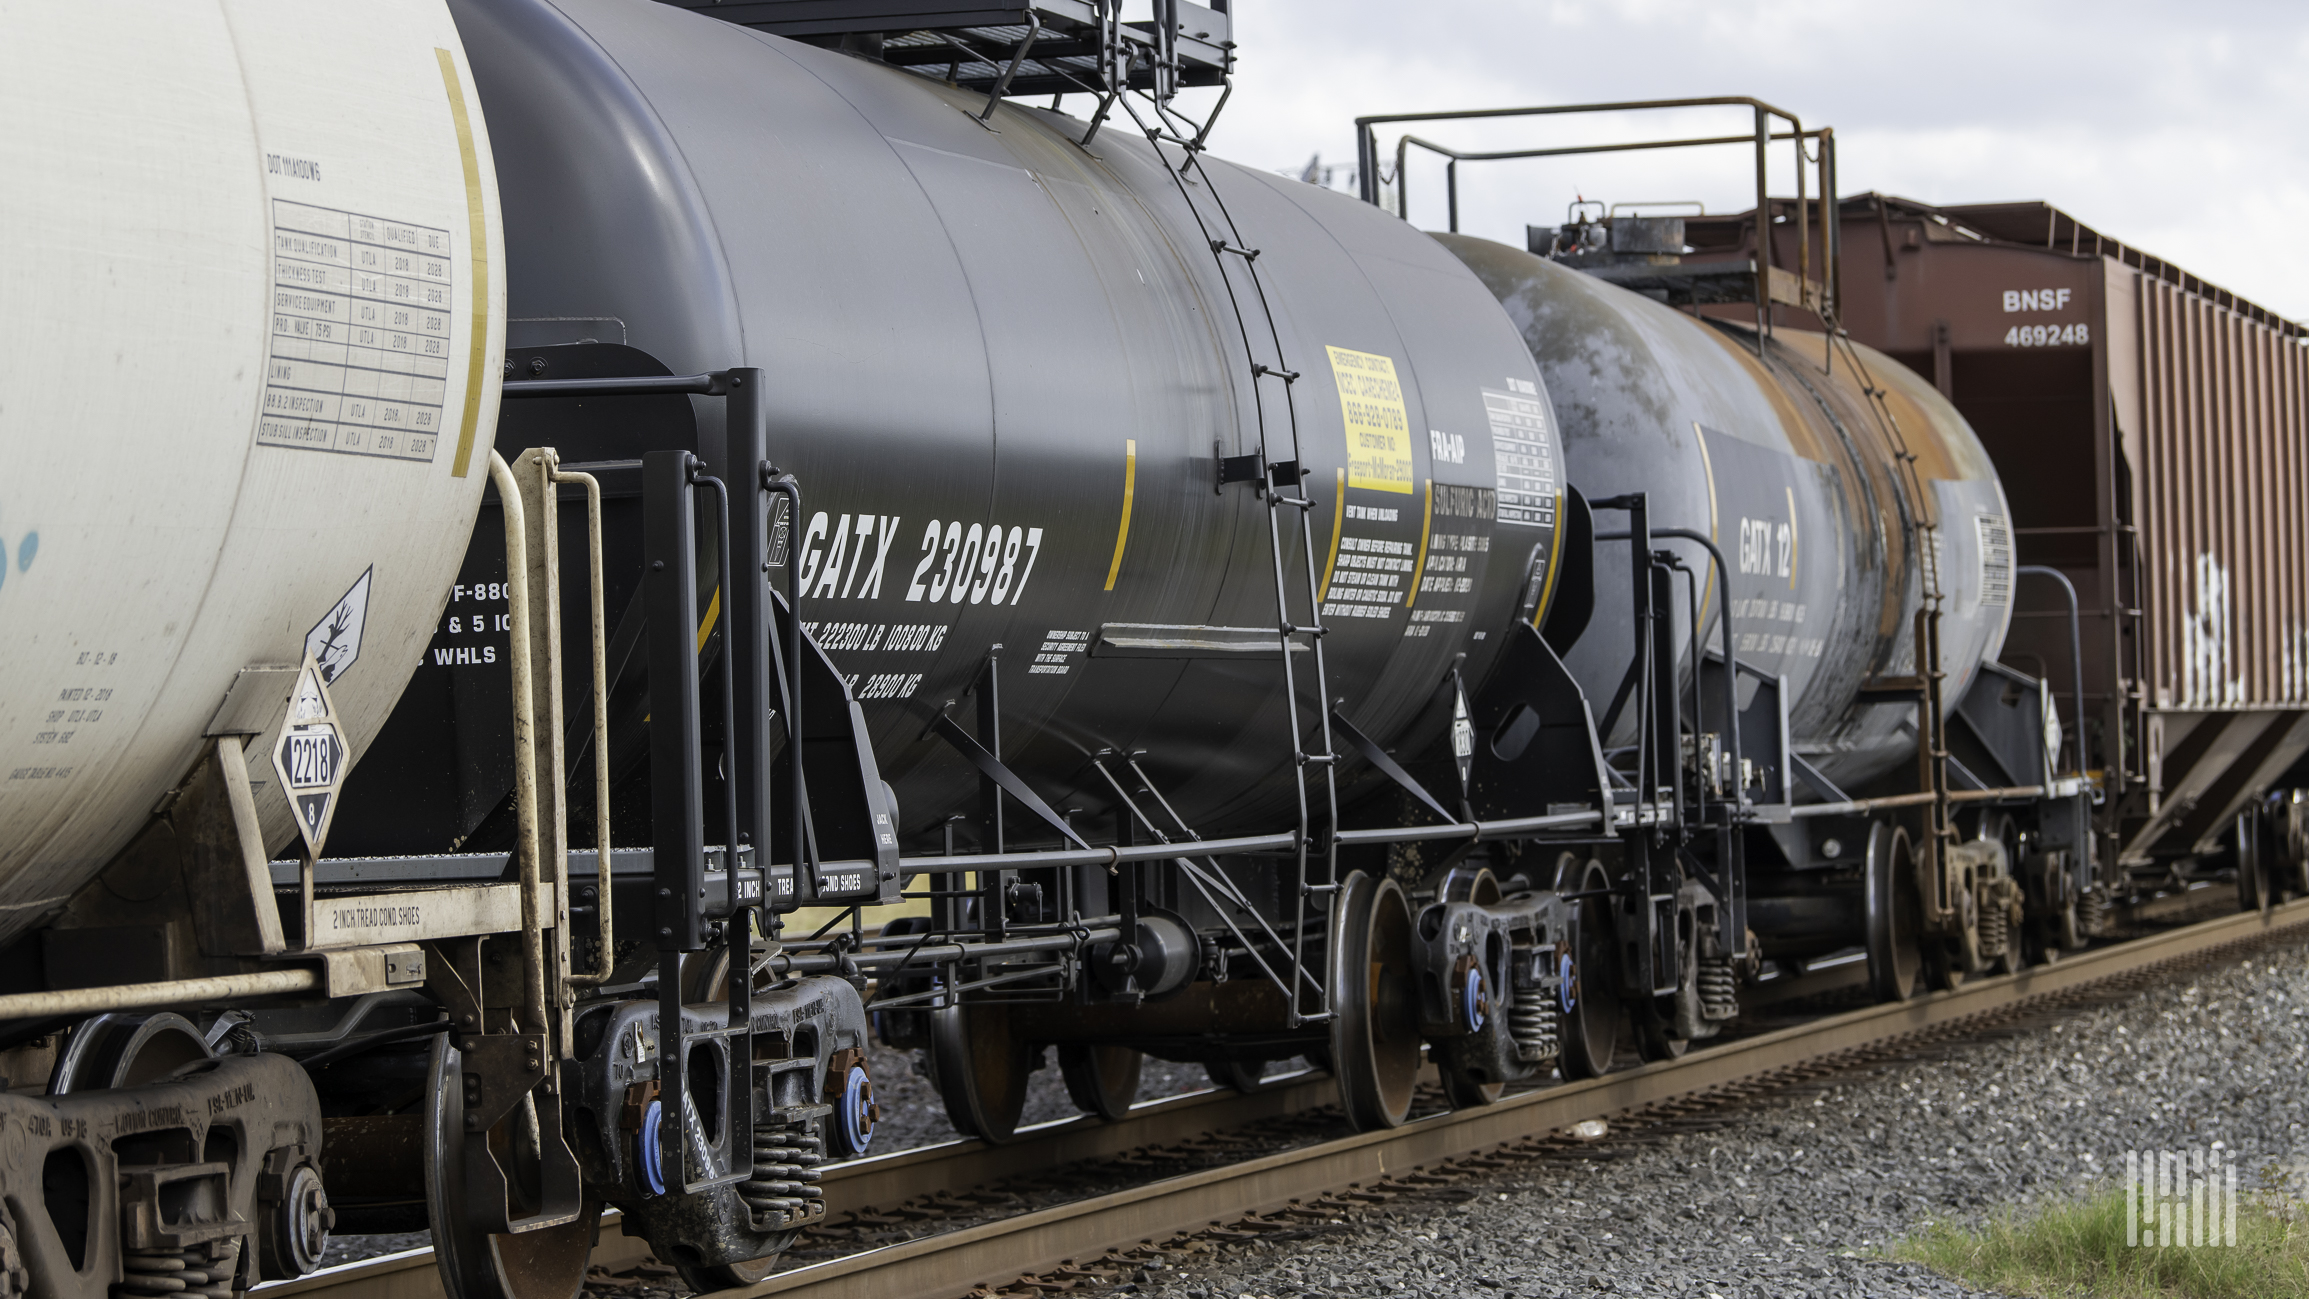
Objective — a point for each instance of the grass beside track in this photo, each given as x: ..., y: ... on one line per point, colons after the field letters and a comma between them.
x: 2077, y: 1248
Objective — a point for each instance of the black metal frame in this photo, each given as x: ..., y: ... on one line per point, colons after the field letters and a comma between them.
x: 704, y: 900
x: 1691, y: 810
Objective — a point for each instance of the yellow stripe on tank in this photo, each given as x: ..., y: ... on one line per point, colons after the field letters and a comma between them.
x: 1554, y: 565
x: 1338, y: 521
x: 1419, y: 565
x: 713, y: 612
x: 705, y: 629
x: 1129, y: 493
x: 476, y: 217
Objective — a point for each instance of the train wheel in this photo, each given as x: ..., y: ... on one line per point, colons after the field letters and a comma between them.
x: 1655, y: 1017
x: 1655, y: 1038
x: 1102, y: 1080
x: 1467, y: 1093
x: 981, y: 1069
x: 2013, y: 959
x: 1478, y: 886
x: 1463, y: 1086
x: 2288, y: 843
x: 1375, y: 1010
x: 1589, y: 995
x: 2037, y: 941
x: 125, y: 1051
x: 2245, y: 843
x: 2070, y: 932
x: 1944, y: 965
x: 2050, y: 930
x: 546, y: 1264
x: 1895, y: 923
x: 1245, y: 1076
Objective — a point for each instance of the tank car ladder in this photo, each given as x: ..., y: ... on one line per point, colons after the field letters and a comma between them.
x: 1940, y: 833
x: 1278, y: 483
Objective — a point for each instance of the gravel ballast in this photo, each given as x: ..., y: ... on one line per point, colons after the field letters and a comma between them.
x: 1800, y: 1193
x: 1797, y: 1194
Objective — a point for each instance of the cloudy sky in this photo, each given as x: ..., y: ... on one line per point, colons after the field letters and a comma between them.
x: 2181, y: 128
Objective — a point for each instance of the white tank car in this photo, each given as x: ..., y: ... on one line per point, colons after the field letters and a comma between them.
x: 248, y: 385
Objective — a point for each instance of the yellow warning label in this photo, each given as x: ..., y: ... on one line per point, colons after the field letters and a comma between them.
x: 1378, y: 429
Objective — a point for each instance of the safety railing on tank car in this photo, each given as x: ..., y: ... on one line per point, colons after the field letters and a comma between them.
x: 697, y: 907
x: 1820, y: 297
x: 1645, y: 561
x: 1660, y: 737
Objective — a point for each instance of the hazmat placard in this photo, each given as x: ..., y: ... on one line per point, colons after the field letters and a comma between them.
x: 311, y: 756
x: 335, y: 641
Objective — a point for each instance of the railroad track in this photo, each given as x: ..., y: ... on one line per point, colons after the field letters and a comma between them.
x: 951, y: 1263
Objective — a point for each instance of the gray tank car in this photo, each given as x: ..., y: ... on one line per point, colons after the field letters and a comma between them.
x: 1790, y: 465
x: 1848, y: 498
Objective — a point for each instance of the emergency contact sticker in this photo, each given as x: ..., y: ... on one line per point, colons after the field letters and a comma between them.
x: 1378, y: 428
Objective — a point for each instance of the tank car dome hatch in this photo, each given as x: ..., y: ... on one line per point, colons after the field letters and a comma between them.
x: 251, y: 387
x: 1789, y: 466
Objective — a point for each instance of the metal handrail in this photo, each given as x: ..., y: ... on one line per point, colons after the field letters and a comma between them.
x: 606, y: 927
x: 524, y: 749
x: 2076, y: 649
x: 1367, y: 166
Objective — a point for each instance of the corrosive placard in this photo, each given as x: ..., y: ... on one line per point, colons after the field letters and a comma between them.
x: 310, y: 758
x: 1378, y: 428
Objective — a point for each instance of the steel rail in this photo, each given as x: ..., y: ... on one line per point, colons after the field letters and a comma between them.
x: 950, y: 1263
x: 903, y: 1175
x: 961, y: 1165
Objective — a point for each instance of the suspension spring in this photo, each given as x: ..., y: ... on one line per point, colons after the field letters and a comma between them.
x: 1995, y: 927
x: 2093, y: 912
x: 784, y: 1188
x: 1719, y: 988
x: 1531, y: 1023
x: 205, y: 1270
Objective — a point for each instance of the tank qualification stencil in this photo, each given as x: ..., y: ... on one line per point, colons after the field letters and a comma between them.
x: 1378, y: 429
x: 360, y: 334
